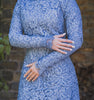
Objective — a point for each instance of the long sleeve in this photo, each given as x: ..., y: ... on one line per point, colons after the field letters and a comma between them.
x: 18, y: 39
x: 73, y: 22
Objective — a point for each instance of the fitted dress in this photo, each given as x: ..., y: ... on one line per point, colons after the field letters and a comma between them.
x: 33, y: 25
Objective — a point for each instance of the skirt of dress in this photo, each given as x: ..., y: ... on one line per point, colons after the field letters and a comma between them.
x: 57, y: 82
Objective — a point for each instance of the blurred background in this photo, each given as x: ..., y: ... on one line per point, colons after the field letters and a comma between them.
x: 11, y: 58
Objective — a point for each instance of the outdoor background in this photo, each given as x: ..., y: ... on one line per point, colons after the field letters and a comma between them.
x: 83, y: 59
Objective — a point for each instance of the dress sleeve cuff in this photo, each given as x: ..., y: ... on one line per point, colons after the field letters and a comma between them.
x: 49, y: 42
x: 38, y: 67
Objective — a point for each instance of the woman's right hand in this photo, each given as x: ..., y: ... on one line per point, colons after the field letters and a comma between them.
x: 57, y: 44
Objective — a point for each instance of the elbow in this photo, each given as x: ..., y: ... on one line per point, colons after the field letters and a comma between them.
x: 79, y: 43
x: 11, y: 40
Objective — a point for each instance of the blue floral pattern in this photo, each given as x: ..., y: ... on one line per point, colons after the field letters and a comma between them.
x: 40, y: 20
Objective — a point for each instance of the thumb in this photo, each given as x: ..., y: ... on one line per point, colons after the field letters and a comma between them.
x: 62, y: 35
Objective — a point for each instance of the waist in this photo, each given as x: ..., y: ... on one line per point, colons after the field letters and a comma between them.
x: 33, y: 54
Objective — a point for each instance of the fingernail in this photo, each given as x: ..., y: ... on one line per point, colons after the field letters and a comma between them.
x: 70, y: 49
x: 73, y: 46
x: 72, y: 41
x: 64, y: 33
x: 65, y: 52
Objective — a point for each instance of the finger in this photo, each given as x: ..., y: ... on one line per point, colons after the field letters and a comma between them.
x: 61, y: 51
x: 66, y: 45
x: 27, y: 72
x: 61, y: 35
x: 66, y: 40
x: 35, y: 78
x: 29, y: 75
x: 29, y: 65
x: 64, y: 48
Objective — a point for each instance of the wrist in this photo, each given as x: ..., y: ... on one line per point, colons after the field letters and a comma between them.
x: 49, y: 42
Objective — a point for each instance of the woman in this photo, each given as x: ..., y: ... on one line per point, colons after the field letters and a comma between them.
x: 48, y: 72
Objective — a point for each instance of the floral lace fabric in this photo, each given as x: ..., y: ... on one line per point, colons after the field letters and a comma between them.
x: 40, y: 20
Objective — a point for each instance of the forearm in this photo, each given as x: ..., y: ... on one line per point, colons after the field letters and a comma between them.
x: 25, y: 41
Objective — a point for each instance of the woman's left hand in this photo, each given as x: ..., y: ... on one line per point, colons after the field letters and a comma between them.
x: 32, y: 72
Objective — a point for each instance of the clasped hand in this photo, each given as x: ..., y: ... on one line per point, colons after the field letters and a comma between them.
x: 56, y: 45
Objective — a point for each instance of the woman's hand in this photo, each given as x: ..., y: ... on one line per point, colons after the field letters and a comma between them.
x: 32, y: 72
x: 57, y: 43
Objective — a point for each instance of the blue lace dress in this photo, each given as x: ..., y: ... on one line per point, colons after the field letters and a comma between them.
x: 40, y: 20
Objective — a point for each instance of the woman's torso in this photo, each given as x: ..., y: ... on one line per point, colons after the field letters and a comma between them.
x: 45, y: 17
